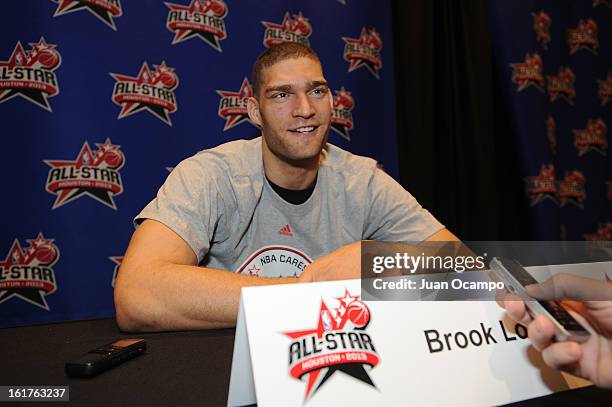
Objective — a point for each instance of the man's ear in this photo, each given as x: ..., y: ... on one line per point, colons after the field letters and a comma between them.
x: 253, y: 109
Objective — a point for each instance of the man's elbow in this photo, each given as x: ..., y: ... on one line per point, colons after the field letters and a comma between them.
x: 131, y: 313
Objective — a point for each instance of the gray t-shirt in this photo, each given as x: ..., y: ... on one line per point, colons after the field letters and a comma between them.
x: 221, y: 204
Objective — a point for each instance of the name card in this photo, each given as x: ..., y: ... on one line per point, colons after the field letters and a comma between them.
x: 318, y: 344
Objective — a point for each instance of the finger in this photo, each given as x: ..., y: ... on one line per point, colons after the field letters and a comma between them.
x: 562, y: 355
x: 517, y: 311
x: 503, y: 295
x: 541, y: 332
x: 306, y: 276
x: 569, y: 286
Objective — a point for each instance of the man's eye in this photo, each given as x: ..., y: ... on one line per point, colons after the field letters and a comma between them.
x: 280, y: 95
x: 318, y: 91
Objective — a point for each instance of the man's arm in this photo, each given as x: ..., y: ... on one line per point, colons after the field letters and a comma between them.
x: 160, y: 287
x: 345, y: 262
x: 443, y: 235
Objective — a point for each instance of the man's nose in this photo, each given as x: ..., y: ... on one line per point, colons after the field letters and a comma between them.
x: 303, y: 107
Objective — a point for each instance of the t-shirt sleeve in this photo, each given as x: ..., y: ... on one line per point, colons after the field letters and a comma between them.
x: 189, y: 203
x: 394, y: 214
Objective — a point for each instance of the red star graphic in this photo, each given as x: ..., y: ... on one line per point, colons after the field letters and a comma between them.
x: 319, y: 330
x: 254, y: 271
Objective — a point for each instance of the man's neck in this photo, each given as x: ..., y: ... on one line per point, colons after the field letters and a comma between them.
x: 297, y: 175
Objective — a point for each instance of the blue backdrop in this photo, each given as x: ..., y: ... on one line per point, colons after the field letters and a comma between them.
x: 554, y: 65
x: 99, y: 99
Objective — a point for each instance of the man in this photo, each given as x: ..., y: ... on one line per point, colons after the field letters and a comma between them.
x: 264, y: 208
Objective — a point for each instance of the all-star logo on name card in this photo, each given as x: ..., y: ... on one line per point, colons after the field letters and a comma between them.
x: 339, y: 343
x: 28, y: 274
x: 203, y: 19
x: 92, y: 173
x: 104, y: 10
x: 30, y: 74
x: 151, y: 91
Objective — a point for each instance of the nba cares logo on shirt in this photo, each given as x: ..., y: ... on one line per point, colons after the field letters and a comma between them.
x: 275, y: 261
x: 339, y: 343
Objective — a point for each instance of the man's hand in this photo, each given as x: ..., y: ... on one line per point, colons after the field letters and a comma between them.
x: 341, y: 264
x: 591, y: 360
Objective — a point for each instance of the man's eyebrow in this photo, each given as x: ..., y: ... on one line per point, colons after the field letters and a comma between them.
x: 279, y: 88
x: 288, y: 88
x: 315, y: 84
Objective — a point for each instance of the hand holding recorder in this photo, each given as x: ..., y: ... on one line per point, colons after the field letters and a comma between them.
x: 586, y: 355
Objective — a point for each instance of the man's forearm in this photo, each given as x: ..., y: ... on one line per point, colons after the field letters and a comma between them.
x: 161, y: 296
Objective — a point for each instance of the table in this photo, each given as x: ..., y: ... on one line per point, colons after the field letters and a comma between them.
x: 179, y: 368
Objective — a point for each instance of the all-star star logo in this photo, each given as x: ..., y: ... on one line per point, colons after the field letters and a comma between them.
x: 338, y: 343
x: 584, y: 36
x: 600, y: 2
x: 233, y: 105
x: 151, y: 91
x: 364, y: 51
x: 297, y: 30
x: 28, y: 274
x: 528, y: 73
x: 342, y: 116
x: 571, y: 189
x: 92, y: 173
x: 593, y: 137
x: 117, y: 260
x: 605, y: 89
x: 562, y: 85
x: 104, y: 10
x: 542, y: 186
x: 541, y: 26
x: 30, y: 74
x: 551, y: 133
x: 604, y: 232
x: 203, y: 19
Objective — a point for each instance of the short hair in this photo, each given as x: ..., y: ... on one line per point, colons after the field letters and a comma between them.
x: 277, y: 53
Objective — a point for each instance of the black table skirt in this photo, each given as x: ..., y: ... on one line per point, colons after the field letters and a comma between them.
x: 179, y: 368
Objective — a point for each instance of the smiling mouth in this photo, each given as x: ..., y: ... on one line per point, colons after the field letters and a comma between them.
x: 305, y: 129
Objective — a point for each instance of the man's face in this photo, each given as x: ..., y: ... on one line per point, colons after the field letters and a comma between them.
x: 293, y: 109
